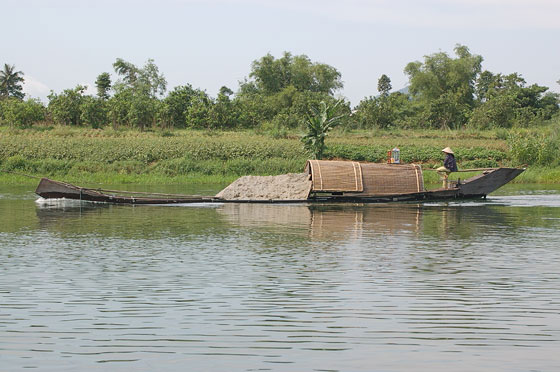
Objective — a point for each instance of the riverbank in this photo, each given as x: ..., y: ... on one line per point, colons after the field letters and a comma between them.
x: 107, y: 156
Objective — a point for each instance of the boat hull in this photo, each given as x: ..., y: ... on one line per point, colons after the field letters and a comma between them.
x: 50, y: 189
x: 475, y: 187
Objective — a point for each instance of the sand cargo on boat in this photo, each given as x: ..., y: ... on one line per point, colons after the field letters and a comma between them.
x: 323, y: 181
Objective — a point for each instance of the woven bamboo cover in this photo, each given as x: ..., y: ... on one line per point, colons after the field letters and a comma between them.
x: 383, y: 179
x: 365, y: 178
x: 335, y: 176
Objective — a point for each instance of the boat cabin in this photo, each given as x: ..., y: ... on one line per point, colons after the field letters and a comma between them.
x: 364, y: 179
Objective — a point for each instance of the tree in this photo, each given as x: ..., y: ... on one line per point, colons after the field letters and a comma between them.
x: 497, y: 112
x: 142, y: 111
x: 126, y: 70
x: 272, y: 75
x: 383, y: 111
x: 507, y: 102
x: 445, y: 86
x: 136, y: 95
x: 447, y: 111
x: 223, y: 113
x: 384, y: 85
x: 319, y: 124
x: 93, y: 111
x: 178, y: 102
x: 65, y: 107
x: 21, y: 113
x: 152, y: 79
x: 135, y: 109
x: 10, y: 82
x: 103, y: 84
x: 198, y: 114
x: 483, y: 84
x: 280, y: 92
x: 146, y: 79
x: 119, y: 106
x: 225, y: 91
x: 268, y: 74
x: 252, y: 109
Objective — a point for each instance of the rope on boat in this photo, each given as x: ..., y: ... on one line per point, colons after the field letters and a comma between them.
x: 465, y: 170
x: 142, y: 193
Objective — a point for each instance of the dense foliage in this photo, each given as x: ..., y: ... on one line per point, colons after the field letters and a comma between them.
x: 536, y: 148
x: 279, y: 94
x: 22, y: 114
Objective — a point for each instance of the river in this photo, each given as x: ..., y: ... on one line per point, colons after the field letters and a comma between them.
x: 469, y: 286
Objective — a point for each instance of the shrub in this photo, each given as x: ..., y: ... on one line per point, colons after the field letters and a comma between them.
x: 93, y: 112
x: 533, y: 148
x: 23, y: 114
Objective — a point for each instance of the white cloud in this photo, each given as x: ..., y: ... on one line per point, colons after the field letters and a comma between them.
x: 35, y: 88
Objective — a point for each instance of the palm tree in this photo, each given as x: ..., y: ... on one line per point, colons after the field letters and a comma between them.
x: 318, y: 126
x: 10, y: 82
x: 127, y: 70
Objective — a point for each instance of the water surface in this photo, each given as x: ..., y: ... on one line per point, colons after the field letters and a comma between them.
x: 238, y: 287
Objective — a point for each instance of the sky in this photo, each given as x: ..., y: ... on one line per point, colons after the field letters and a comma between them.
x: 59, y: 44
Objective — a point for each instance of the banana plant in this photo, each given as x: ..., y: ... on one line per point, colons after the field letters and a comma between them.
x: 319, y: 123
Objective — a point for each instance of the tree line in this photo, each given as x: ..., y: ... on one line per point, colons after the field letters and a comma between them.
x: 280, y: 93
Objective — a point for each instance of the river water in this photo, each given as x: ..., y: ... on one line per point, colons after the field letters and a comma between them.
x: 471, y: 286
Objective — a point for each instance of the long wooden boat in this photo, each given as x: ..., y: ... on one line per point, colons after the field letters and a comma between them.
x: 50, y: 189
x: 478, y: 186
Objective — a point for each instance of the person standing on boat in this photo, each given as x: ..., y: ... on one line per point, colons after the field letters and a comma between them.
x: 449, y: 165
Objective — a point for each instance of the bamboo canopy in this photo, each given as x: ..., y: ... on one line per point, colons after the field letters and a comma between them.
x: 365, y: 179
x: 335, y: 176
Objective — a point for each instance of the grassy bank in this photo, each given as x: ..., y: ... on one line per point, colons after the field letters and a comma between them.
x: 161, y: 157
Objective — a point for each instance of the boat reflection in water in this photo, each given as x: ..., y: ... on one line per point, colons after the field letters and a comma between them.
x: 337, y: 221
x: 327, y: 221
x: 313, y: 221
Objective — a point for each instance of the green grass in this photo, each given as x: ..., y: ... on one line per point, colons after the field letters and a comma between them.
x: 108, y: 156
x: 539, y: 175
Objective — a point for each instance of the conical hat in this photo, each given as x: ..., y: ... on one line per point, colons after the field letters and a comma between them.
x: 448, y: 150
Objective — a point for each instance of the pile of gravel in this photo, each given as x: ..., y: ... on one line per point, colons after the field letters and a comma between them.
x: 291, y: 186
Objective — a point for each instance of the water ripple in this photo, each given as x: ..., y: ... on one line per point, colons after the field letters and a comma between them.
x: 284, y: 288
